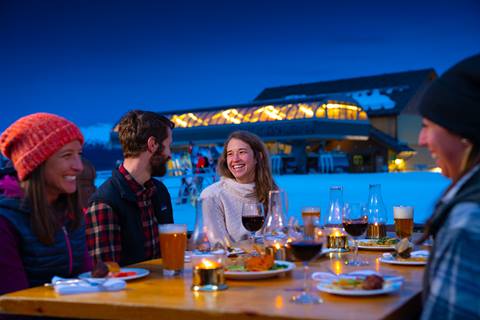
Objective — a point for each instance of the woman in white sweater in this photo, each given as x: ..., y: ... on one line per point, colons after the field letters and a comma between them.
x: 246, y: 177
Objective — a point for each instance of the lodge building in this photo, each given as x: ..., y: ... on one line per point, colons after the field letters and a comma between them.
x: 365, y: 124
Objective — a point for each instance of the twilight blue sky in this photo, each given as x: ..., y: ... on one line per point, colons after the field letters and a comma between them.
x: 93, y: 60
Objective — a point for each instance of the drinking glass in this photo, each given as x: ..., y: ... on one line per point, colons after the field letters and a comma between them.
x: 253, y: 217
x: 173, y: 241
x: 305, y: 249
x: 377, y: 213
x: 403, y: 220
x: 311, y: 219
x: 355, y: 223
x: 333, y: 218
x: 276, y: 223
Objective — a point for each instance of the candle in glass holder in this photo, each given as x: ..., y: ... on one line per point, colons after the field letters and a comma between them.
x: 277, y: 250
x: 208, y: 273
x: 337, y: 241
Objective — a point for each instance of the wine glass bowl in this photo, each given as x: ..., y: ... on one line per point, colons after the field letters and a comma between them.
x: 306, y: 250
x: 253, y: 217
x: 355, y: 223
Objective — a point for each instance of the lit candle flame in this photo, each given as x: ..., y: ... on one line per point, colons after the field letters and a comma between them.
x: 337, y: 234
x: 207, y: 264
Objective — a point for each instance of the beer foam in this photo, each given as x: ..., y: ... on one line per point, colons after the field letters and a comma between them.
x: 402, y: 212
x: 172, y: 228
x: 311, y: 209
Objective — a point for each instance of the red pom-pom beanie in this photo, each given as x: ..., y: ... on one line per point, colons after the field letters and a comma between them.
x: 31, y: 140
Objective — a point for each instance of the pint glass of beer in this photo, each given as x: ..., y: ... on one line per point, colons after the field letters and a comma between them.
x: 173, y: 241
x: 403, y: 217
x: 311, y: 219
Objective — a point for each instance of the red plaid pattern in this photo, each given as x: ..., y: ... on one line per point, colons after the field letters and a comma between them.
x: 103, y: 229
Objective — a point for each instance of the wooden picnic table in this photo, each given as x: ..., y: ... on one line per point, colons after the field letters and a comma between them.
x: 156, y: 297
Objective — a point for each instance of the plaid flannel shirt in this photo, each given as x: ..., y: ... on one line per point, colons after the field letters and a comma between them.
x: 455, y: 265
x: 103, y: 228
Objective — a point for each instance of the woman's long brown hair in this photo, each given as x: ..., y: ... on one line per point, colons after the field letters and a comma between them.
x: 263, y: 173
x: 44, y: 217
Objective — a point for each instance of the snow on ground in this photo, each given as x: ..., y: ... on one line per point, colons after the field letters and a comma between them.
x: 418, y: 189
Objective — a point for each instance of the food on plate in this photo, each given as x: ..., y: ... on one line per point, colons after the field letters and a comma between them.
x: 402, y: 249
x: 253, y: 263
x: 371, y: 282
x: 259, y: 262
x: 382, y: 242
x: 123, y: 274
x: 103, y: 269
x: 347, y: 283
x: 411, y: 258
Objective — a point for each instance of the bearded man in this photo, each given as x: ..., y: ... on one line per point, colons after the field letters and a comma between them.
x: 124, y: 213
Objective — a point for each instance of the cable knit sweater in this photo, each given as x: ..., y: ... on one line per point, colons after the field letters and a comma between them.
x: 222, y: 209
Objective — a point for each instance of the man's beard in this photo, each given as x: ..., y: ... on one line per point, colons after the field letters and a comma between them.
x: 158, y: 164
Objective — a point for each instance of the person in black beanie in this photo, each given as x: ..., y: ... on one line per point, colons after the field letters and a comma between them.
x: 451, y: 130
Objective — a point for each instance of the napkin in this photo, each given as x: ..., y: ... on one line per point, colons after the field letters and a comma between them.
x: 328, y: 277
x: 73, y: 286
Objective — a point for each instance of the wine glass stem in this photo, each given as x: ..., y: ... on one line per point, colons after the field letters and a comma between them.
x: 355, y: 248
x: 305, y: 274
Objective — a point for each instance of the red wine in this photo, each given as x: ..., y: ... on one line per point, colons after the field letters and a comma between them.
x: 355, y: 228
x: 305, y: 250
x: 253, y: 223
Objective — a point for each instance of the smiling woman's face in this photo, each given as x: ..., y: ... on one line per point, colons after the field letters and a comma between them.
x: 241, y: 161
x: 446, y: 148
x: 62, y: 169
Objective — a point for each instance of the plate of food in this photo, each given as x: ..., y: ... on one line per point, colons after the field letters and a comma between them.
x: 123, y: 274
x: 257, y: 267
x: 360, y: 286
x: 104, y: 270
x: 377, y: 244
x: 404, y: 255
x: 416, y: 258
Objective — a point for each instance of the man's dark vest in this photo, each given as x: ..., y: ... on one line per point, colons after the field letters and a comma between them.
x: 117, y: 194
x: 42, y: 262
x: 469, y: 192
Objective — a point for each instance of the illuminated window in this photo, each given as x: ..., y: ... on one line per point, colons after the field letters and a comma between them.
x: 321, y: 112
x: 266, y: 113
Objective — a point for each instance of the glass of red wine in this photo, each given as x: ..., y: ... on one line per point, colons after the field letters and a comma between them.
x: 355, y: 222
x: 306, y: 249
x: 253, y: 217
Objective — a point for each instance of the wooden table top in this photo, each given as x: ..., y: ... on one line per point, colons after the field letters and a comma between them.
x: 155, y: 297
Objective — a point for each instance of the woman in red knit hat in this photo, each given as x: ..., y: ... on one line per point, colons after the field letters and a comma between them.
x: 42, y: 232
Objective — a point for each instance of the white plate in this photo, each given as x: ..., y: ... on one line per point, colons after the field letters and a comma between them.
x: 388, y: 258
x: 254, y: 275
x: 378, y: 247
x: 388, y: 287
x: 140, y: 274
x: 392, y: 260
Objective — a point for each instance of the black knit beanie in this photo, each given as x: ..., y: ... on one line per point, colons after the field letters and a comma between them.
x: 453, y: 100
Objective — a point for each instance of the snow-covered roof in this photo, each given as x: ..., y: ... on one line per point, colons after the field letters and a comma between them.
x: 378, y: 94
